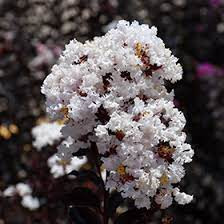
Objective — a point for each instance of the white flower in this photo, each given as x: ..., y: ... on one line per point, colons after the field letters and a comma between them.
x: 181, y: 197
x: 25, y: 192
x: 23, y: 189
x: 46, y: 134
x: 30, y: 202
x: 61, y: 167
x: 112, y: 92
x: 164, y: 198
x: 9, y: 191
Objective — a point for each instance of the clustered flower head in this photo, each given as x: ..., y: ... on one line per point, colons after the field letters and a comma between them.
x: 112, y: 92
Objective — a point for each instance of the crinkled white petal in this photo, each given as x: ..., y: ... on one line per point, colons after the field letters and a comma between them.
x: 164, y: 198
x: 23, y: 189
x: 59, y: 168
x: 9, y: 191
x: 181, y: 197
x: 25, y: 192
x: 30, y: 202
x: 46, y: 134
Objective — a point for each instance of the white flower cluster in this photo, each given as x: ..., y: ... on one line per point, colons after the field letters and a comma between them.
x: 25, y: 192
x: 46, y: 134
x: 112, y: 92
x: 60, y: 167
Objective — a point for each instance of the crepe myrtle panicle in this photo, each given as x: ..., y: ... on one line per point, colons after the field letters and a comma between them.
x: 112, y: 92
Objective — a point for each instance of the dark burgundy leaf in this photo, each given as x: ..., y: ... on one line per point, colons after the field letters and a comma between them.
x: 84, y: 215
x: 133, y: 216
x: 89, y: 179
x: 59, y: 188
x: 89, y: 175
x: 81, y: 197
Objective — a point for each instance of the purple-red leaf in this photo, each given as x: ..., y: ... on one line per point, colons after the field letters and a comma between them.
x: 84, y: 215
x: 82, y: 197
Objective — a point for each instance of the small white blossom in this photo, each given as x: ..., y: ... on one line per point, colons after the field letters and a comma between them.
x: 30, y: 202
x: 164, y: 198
x: 23, y: 189
x: 61, y: 167
x: 9, y: 191
x: 181, y: 197
x: 46, y: 134
x: 25, y: 192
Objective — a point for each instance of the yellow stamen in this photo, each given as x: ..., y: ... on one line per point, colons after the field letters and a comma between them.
x: 64, y: 111
x: 164, y: 179
x: 138, y: 49
x: 63, y: 162
x: 145, y: 114
x: 62, y: 121
x: 121, y: 170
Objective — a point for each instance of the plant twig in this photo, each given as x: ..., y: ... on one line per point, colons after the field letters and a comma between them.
x: 98, y: 169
